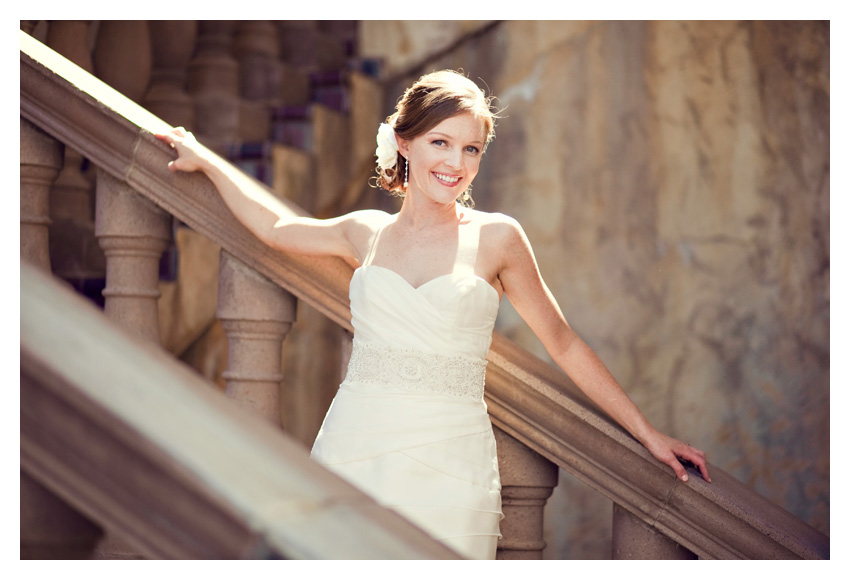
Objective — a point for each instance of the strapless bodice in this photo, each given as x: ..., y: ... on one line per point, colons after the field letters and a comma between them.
x: 452, y: 314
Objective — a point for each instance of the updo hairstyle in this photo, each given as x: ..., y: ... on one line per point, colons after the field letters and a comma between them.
x: 428, y: 102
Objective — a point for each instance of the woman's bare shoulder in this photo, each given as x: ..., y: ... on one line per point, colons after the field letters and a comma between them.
x: 361, y: 226
x: 501, y: 241
x: 372, y: 219
x: 496, y: 226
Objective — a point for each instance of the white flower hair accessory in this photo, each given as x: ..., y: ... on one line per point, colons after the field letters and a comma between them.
x: 387, y: 151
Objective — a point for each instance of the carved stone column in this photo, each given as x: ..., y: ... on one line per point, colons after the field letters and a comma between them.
x: 307, y: 47
x: 256, y: 314
x: 133, y: 233
x: 41, y: 159
x: 294, y: 88
x: 172, y: 42
x: 634, y: 539
x: 528, y: 479
x: 122, y: 56
x: 255, y: 46
x: 72, y: 39
x: 213, y: 82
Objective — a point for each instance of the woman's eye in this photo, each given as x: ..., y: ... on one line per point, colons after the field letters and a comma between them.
x: 472, y: 149
x: 439, y: 142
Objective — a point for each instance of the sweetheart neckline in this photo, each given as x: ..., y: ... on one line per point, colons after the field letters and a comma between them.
x: 417, y: 288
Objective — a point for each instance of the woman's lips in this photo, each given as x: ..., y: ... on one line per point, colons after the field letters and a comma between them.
x: 445, y: 179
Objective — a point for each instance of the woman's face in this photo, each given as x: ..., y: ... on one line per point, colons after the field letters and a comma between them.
x: 444, y: 160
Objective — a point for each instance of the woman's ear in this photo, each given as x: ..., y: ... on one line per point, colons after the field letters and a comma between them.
x: 403, y: 146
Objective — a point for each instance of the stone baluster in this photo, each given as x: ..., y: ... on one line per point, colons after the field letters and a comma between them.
x: 305, y: 45
x: 634, y: 539
x: 73, y: 40
x: 256, y: 315
x: 213, y: 82
x: 172, y: 44
x: 133, y: 233
x: 41, y: 159
x: 74, y: 251
x: 294, y: 88
x: 298, y: 44
x: 122, y: 56
x: 528, y: 479
x: 255, y: 45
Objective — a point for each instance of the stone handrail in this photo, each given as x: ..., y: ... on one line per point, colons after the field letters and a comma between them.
x: 170, y: 463
x: 528, y: 399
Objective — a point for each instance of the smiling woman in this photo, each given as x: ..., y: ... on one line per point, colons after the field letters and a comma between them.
x: 424, y: 107
x: 409, y: 425
x: 444, y: 161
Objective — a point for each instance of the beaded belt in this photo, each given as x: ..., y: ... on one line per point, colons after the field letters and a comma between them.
x: 455, y: 376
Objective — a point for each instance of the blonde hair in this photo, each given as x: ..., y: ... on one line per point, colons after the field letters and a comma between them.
x: 431, y: 100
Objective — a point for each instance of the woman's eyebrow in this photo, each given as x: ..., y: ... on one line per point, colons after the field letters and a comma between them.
x: 438, y: 133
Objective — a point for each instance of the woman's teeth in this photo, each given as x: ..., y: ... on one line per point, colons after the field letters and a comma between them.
x: 447, y: 178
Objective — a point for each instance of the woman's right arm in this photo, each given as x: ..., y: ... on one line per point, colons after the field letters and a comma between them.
x: 261, y: 212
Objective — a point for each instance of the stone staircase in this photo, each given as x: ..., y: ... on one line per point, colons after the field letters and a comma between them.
x: 542, y: 421
x: 273, y: 97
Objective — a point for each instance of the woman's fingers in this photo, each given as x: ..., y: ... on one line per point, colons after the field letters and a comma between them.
x: 696, y: 457
x: 678, y: 468
x: 176, y: 135
x: 669, y: 451
x: 183, y: 142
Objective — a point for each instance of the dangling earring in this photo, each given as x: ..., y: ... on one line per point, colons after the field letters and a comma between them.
x: 405, y: 173
x: 465, y: 197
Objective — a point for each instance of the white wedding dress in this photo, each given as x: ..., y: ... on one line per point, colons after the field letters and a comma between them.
x: 409, y: 425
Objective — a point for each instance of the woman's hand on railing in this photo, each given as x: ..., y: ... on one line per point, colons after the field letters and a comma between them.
x: 669, y: 450
x: 190, y: 153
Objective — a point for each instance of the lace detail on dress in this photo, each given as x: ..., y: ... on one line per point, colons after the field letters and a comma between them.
x: 455, y: 376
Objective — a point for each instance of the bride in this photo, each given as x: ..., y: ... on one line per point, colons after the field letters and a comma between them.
x: 409, y: 425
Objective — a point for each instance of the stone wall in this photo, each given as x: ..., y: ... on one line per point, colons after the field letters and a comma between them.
x: 673, y: 178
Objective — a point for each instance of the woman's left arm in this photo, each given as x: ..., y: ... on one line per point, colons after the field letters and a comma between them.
x: 528, y: 293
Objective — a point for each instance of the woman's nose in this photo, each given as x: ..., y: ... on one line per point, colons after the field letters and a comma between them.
x: 454, y: 159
